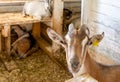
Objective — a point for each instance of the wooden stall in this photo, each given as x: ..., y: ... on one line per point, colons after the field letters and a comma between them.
x: 9, y: 17
x: 10, y: 14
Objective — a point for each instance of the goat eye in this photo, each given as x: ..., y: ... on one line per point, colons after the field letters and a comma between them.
x: 89, y: 43
x: 63, y: 42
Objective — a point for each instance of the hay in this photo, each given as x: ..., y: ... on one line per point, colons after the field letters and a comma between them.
x: 35, y: 68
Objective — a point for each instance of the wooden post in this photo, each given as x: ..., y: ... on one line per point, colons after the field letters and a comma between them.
x: 5, y: 57
x: 6, y: 34
x: 57, y: 20
x: 45, y: 46
x: 36, y: 30
x: 8, y: 42
x: 0, y: 41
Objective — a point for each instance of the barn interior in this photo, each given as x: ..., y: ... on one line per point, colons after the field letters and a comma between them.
x: 28, y: 55
x: 40, y: 65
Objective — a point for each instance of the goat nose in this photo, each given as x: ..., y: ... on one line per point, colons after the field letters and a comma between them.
x: 74, y: 65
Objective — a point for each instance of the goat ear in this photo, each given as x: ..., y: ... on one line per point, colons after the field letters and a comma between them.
x: 84, y: 31
x: 55, y: 36
x: 95, y: 39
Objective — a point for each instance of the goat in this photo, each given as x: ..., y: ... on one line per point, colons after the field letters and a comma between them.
x: 24, y: 45
x: 37, y: 9
x: 79, y: 61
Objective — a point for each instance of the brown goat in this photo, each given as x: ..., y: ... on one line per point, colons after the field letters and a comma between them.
x: 22, y: 46
x: 79, y: 61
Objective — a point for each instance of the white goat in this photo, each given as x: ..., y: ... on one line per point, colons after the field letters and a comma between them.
x: 37, y: 9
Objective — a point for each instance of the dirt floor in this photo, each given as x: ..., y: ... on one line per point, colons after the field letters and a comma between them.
x: 36, y: 68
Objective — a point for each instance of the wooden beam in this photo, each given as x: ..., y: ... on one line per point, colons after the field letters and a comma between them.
x: 58, y: 16
x: 7, y: 36
x: 57, y: 20
x: 46, y: 47
x: 42, y: 43
x: 5, y: 44
x: 0, y: 41
x: 72, y: 0
x: 17, y: 18
x: 36, y: 30
x: 13, y: 1
x: 44, y: 33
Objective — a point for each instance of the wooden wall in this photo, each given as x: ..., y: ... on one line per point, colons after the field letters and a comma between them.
x: 104, y: 16
x: 17, y: 5
x: 73, y: 5
x: 13, y: 7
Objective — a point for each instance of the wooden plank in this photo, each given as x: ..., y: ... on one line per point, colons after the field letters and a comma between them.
x: 4, y: 3
x: 44, y: 33
x: 0, y: 41
x: 58, y: 16
x: 71, y: 0
x: 10, y: 9
x: 9, y: 1
x: 17, y: 18
x: 8, y: 40
x: 74, y: 9
x: 6, y: 6
x: 36, y: 30
x: 45, y: 46
x: 36, y: 34
x: 57, y: 20
x: 72, y: 4
x: 13, y: 1
x: 3, y: 43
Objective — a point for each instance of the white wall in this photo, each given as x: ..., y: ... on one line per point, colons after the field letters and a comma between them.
x: 104, y: 16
